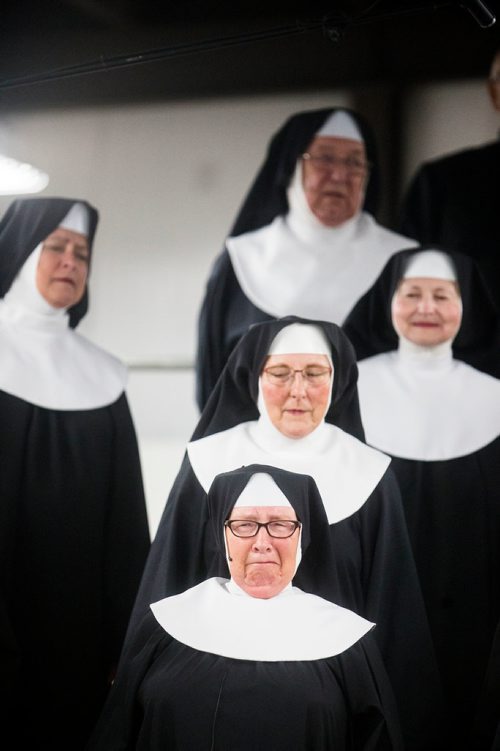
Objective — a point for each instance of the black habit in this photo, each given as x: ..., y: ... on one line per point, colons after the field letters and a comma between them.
x: 451, y: 499
x: 169, y: 695
x: 374, y: 572
x: 226, y: 311
x: 73, y: 532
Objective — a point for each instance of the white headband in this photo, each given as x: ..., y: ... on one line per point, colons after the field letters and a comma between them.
x: 300, y: 338
x: 430, y: 264
x: 261, y: 490
x: 77, y: 219
x: 341, y: 125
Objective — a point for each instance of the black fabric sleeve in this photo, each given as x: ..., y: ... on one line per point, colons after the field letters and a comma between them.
x: 373, y: 710
x: 420, y: 208
x: 211, y: 355
x: 117, y: 727
x: 392, y: 598
x: 127, y: 530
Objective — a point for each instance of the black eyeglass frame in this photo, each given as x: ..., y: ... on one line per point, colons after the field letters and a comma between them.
x: 296, y: 525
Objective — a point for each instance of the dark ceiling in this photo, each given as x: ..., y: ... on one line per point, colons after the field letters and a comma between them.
x: 67, y: 52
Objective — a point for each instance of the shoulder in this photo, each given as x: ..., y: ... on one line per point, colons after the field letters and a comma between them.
x: 459, y: 160
x: 101, y: 358
x: 389, y: 239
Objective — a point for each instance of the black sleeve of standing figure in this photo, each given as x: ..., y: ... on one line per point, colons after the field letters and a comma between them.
x: 370, y: 699
x: 119, y: 723
x: 181, y: 553
x: 422, y: 207
x: 378, y: 579
x: 127, y: 534
x: 211, y: 354
x: 394, y: 601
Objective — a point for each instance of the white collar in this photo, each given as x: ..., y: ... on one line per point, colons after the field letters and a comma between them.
x: 420, y: 403
x: 45, y: 362
x: 297, y: 266
x: 213, y: 617
x: 345, y: 470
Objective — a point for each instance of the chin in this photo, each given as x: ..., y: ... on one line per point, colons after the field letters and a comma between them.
x: 297, y: 432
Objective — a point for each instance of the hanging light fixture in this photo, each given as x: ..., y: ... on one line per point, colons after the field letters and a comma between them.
x: 19, y: 177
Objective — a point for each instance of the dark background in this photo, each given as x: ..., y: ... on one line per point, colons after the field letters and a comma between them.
x: 195, y: 49
x: 58, y: 53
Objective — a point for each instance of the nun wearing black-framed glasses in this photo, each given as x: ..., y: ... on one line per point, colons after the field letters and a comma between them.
x: 251, y: 660
x: 288, y: 396
x: 427, y: 335
x: 304, y: 242
x: 74, y: 532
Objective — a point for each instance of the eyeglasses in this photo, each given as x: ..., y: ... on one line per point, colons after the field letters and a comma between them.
x: 280, y: 528
x: 353, y: 165
x: 282, y: 376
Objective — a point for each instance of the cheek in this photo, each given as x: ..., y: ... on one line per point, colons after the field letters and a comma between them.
x: 273, y: 397
x: 320, y: 401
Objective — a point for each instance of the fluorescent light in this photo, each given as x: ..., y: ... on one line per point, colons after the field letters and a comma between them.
x: 20, y: 177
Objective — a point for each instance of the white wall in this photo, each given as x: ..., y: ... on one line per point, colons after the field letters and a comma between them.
x: 446, y: 116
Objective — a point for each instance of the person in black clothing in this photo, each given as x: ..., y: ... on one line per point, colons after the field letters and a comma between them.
x: 74, y: 532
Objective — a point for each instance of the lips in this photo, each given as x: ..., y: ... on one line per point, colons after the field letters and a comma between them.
x: 65, y: 280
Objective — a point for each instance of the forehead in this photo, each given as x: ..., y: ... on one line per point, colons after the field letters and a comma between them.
x: 68, y: 235
x: 297, y: 361
x: 335, y: 145
x: 430, y: 284
x: 263, y: 513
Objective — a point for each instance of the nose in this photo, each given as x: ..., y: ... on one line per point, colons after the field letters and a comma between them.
x: 262, y: 541
x: 427, y: 304
x: 69, y: 256
x: 298, y: 385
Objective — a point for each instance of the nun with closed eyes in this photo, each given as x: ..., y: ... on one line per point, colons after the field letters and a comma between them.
x: 247, y: 660
x: 74, y: 532
x: 428, y: 399
x: 288, y: 397
x: 305, y: 241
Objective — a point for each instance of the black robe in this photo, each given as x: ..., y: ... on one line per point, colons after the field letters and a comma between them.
x: 74, y: 533
x: 74, y: 539
x: 455, y: 201
x: 226, y: 312
x: 170, y: 696
x: 453, y: 513
x: 374, y: 572
x: 452, y: 506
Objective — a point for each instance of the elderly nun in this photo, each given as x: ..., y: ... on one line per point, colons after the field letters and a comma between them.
x: 251, y: 660
x: 304, y: 242
x: 428, y: 399
x: 288, y: 397
x: 73, y: 529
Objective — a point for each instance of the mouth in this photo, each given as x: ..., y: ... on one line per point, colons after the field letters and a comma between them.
x: 425, y: 324
x: 65, y: 280
x: 262, y: 563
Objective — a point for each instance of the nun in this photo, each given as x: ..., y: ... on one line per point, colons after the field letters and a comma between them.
x: 424, y: 403
x: 249, y: 661
x: 288, y: 397
x: 305, y: 241
x: 73, y: 527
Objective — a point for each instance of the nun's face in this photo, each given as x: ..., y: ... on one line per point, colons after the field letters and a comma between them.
x: 296, y: 405
x: 334, y: 178
x: 262, y: 565
x: 427, y: 311
x: 63, y: 268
